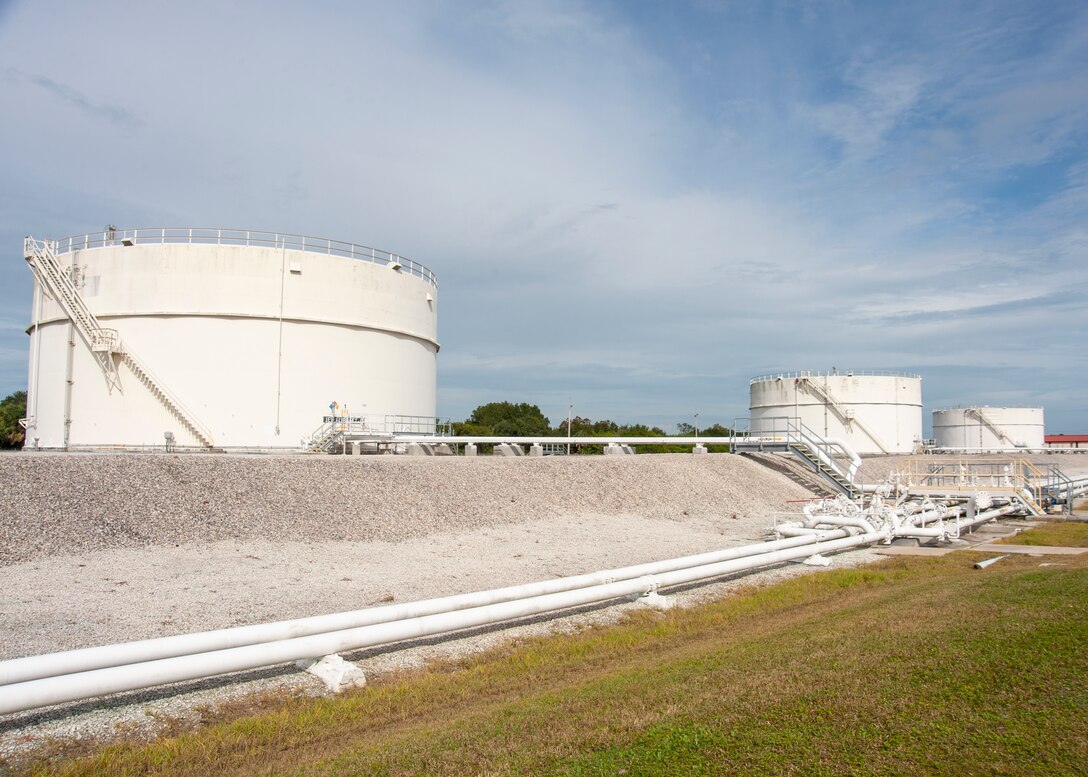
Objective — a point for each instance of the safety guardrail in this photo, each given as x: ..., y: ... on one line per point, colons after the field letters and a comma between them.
x: 833, y: 374
x: 244, y: 237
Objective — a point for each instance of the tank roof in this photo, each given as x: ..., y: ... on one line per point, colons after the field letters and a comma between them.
x: 833, y: 373
x: 985, y: 407
x: 113, y: 236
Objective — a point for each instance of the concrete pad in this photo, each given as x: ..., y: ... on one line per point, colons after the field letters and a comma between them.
x: 995, y: 529
x: 1030, y: 550
x: 907, y: 550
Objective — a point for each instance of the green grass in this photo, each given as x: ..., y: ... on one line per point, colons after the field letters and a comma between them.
x: 1072, y: 534
x: 910, y: 666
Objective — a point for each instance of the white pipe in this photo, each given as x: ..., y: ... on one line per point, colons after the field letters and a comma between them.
x: 855, y: 459
x: 921, y: 519
x: 55, y: 690
x: 838, y: 520
x: 988, y: 515
x: 85, y: 659
x: 987, y: 562
x: 604, y: 440
x: 827, y: 461
x: 958, y: 526
x: 802, y: 531
x: 920, y: 531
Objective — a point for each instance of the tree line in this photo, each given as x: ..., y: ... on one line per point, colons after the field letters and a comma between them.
x: 495, y: 419
x: 500, y: 419
x: 12, y: 408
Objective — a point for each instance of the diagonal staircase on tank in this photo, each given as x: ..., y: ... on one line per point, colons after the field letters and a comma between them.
x: 104, y: 343
x: 846, y: 414
x: 989, y: 423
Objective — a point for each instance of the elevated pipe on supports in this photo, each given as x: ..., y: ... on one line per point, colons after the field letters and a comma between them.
x: 85, y: 659
x: 70, y: 687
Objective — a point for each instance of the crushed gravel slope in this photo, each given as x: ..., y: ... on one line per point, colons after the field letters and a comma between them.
x: 64, y: 504
x: 102, y: 548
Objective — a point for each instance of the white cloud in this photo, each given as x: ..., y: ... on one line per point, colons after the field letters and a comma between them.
x: 652, y: 209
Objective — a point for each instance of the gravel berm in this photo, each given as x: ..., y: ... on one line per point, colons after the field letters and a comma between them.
x: 101, y: 548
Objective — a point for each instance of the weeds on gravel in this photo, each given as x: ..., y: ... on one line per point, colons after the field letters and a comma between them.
x: 910, y: 666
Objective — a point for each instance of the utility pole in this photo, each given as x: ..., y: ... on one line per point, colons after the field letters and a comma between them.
x: 570, y: 411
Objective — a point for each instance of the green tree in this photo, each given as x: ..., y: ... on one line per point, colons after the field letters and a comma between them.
x: 684, y: 429
x: 506, y: 418
x: 469, y: 429
x: 12, y: 408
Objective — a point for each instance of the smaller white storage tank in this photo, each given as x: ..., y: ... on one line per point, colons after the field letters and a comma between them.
x: 989, y: 428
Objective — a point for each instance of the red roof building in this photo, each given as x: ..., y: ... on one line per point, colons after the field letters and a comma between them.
x: 1066, y: 440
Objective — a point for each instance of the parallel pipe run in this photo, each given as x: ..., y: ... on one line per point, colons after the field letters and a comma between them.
x: 39, y: 681
x: 956, y: 528
x: 72, y: 661
x: 71, y: 687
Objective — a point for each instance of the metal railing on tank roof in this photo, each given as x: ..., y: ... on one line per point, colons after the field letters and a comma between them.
x: 833, y: 374
x: 244, y: 237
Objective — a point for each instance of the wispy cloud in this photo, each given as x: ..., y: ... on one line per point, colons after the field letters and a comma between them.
x: 114, y: 114
x: 646, y: 203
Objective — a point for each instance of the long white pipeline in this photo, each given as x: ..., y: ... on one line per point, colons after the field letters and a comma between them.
x: 85, y: 659
x: 55, y: 690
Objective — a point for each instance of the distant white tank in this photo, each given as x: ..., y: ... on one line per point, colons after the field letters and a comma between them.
x: 989, y: 428
x: 874, y: 412
x: 249, y: 335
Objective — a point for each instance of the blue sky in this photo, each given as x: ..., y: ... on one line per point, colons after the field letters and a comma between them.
x: 634, y: 206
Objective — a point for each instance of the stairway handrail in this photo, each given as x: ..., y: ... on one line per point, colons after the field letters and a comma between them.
x: 42, y: 254
x: 829, y: 396
x: 817, y: 443
x: 187, y: 415
x: 978, y: 413
x: 71, y: 301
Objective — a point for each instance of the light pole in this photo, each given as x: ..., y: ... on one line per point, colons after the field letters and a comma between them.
x: 696, y: 428
x: 570, y: 411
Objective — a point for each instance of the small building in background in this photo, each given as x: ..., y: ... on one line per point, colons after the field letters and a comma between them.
x: 1066, y: 441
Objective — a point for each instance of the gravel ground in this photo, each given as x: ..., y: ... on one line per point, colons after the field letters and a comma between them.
x: 101, y: 548
x: 65, y: 504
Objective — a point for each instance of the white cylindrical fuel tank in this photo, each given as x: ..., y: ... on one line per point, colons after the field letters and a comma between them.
x: 253, y: 334
x: 874, y: 412
x: 989, y: 428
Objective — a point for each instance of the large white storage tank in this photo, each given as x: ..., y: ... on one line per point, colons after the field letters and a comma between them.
x: 251, y: 334
x: 989, y: 428
x: 874, y: 412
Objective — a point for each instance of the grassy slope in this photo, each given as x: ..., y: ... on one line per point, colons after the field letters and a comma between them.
x: 1073, y: 534
x: 912, y: 666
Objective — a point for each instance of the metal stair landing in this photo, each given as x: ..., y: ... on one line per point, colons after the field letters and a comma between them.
x: 325, y: 435
x: 837, y: 479
x: 790, y: 435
